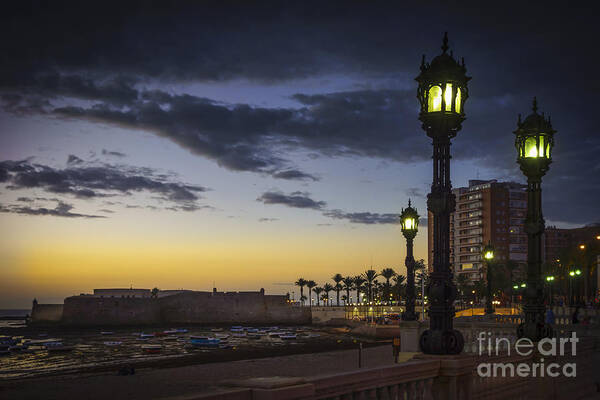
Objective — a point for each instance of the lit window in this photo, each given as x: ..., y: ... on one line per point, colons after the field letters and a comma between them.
x: 435, y: 99
x: 448, y: 96
x: 457, y: 101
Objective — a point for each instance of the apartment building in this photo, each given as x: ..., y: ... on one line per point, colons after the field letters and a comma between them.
x: 485, y: 211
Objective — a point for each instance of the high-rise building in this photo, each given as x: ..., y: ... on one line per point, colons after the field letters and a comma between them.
x: 486, y: 211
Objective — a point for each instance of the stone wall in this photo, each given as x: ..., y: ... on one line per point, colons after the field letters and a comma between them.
x: 90, y: 310
x: 46, y: 313
x: 231, y: 308
x: 185, y: 308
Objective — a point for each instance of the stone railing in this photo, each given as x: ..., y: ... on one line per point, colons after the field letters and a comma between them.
x: 430, y: 377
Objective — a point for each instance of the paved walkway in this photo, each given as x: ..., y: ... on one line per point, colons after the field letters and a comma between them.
x: 169, y: 382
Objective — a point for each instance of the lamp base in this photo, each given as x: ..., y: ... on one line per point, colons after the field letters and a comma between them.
x: 441, y: 342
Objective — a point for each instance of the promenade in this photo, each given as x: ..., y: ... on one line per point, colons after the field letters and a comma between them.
x: 190, y: 380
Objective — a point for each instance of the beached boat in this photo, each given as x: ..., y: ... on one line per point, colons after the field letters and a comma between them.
x: 237, y: 329
x: 222, y: 336
x: 113, y: 343
x: 276, y: 334
x: 152, y: 348
x: 216, y: 330
x: 288, y: 336
x: 159, y: 334
x: 252, y: 330
x: 238, y: 334
x: 253, y: 336
x: 58, y: 347
x: 107, y: 333
x: 170, y: 332
x: 146, y: 335
x: 205, y: 342
x: 180, y: 330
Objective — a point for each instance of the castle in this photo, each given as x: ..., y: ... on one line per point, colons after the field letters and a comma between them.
x: 146, y: 307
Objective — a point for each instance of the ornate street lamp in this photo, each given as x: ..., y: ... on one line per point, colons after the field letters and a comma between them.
x: 488, y: 256
x: 442, y: 93
x: 534, y: 142
x: 409, y: 221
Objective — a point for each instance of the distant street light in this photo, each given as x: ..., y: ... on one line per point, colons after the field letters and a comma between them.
x: 534, y: 141
x: 488, y: 256
x: 409, y: 222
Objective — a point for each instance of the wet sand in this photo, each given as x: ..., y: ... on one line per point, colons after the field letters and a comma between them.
x: 157, y: 383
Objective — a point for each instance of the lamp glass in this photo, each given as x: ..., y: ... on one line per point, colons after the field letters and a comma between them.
x: 435, y: 99
x: 448, y: 96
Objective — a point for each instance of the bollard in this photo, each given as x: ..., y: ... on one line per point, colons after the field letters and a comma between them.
x: 360, y: 355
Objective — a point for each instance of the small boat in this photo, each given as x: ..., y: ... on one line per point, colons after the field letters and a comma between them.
x: 196, y: 337
x: 107, y: 333
x: 170, y: 332
x: 158, y: 334
x: 58, y: 346
x: 205, y: 342
x: 170, y: 338
x: 288, y: 336
x: 180, y: 330
x: 222, y: 336
x: 237, y: 329
x: 251, y: 330
x: 276, y: 334
x: 238, y: 334
x: 253, y: 336
x: 113, y: 343
x: 152, y: 348
x: 146, y: 335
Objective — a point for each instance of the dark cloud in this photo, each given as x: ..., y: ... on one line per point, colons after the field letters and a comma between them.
x: 294, y: 174
x: 99, y: 69
x: 61, y: 210
x: 368, y: 218
x: 303, y: 200
x: 268, y: 219
x: 294, y: 200
x: 97, y: 181
x: 113, y: 153
x: 72, y: 160
x: 26, y: 199
x: 414, y: 192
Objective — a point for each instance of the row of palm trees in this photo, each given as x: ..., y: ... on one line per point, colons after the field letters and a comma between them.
x: 366, y: 285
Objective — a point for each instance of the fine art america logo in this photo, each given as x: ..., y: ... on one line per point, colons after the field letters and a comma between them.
x: 548, y: 347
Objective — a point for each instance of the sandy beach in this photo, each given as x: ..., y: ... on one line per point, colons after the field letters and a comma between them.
x: 162, y: 383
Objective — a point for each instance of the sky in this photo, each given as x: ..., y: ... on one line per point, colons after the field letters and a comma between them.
x: 247, y: 145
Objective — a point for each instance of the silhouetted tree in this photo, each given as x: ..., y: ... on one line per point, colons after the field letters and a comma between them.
x: 369, y: 276
x: 301, y: 282
x: 318, y: 290
x: 338, y: 278
x: 327, y: 288
x: 387, y: 273
x: 310, y: 285
x: 348, y: 286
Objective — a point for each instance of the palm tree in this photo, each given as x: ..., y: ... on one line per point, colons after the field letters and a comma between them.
x: 154, y: 293
x: 359, y: 281
x: 370, y: 276
x: 328, y: 288
x: 387, y: 273
x: 337, y: 278
x: 348, y: 286
x: 301, y: 282
x: 310, y: 285
x: 318, y: 290
x: 399, y: 285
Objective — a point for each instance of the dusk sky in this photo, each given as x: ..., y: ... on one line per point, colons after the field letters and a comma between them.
x: 252, y: 144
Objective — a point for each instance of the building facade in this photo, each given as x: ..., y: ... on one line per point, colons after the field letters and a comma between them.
x: 486, y: 211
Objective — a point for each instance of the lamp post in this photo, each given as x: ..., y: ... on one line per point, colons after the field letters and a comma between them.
x: 572, y: 274
x: 534, y: 142
x: 488, y: 256
x: 442, y: 93
x: 409, y: 221
x: 550, y: 279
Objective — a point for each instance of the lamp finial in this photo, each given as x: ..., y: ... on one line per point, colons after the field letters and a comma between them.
x: 423, y: 62
x: 445, y: 43
x: 534, y: 105
x: 409, y: 202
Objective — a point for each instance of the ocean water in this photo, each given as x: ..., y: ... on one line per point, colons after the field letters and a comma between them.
x: 14, y: 312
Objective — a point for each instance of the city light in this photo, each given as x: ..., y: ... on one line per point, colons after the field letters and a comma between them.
x: 523, y: 285
x: 582, y: 246
x: 550, y: 278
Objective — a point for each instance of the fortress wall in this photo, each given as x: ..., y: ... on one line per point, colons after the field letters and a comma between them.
x: 88, y: 310
x: 46, y: 312
x: 231, y: 308
x: 189, y: 307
